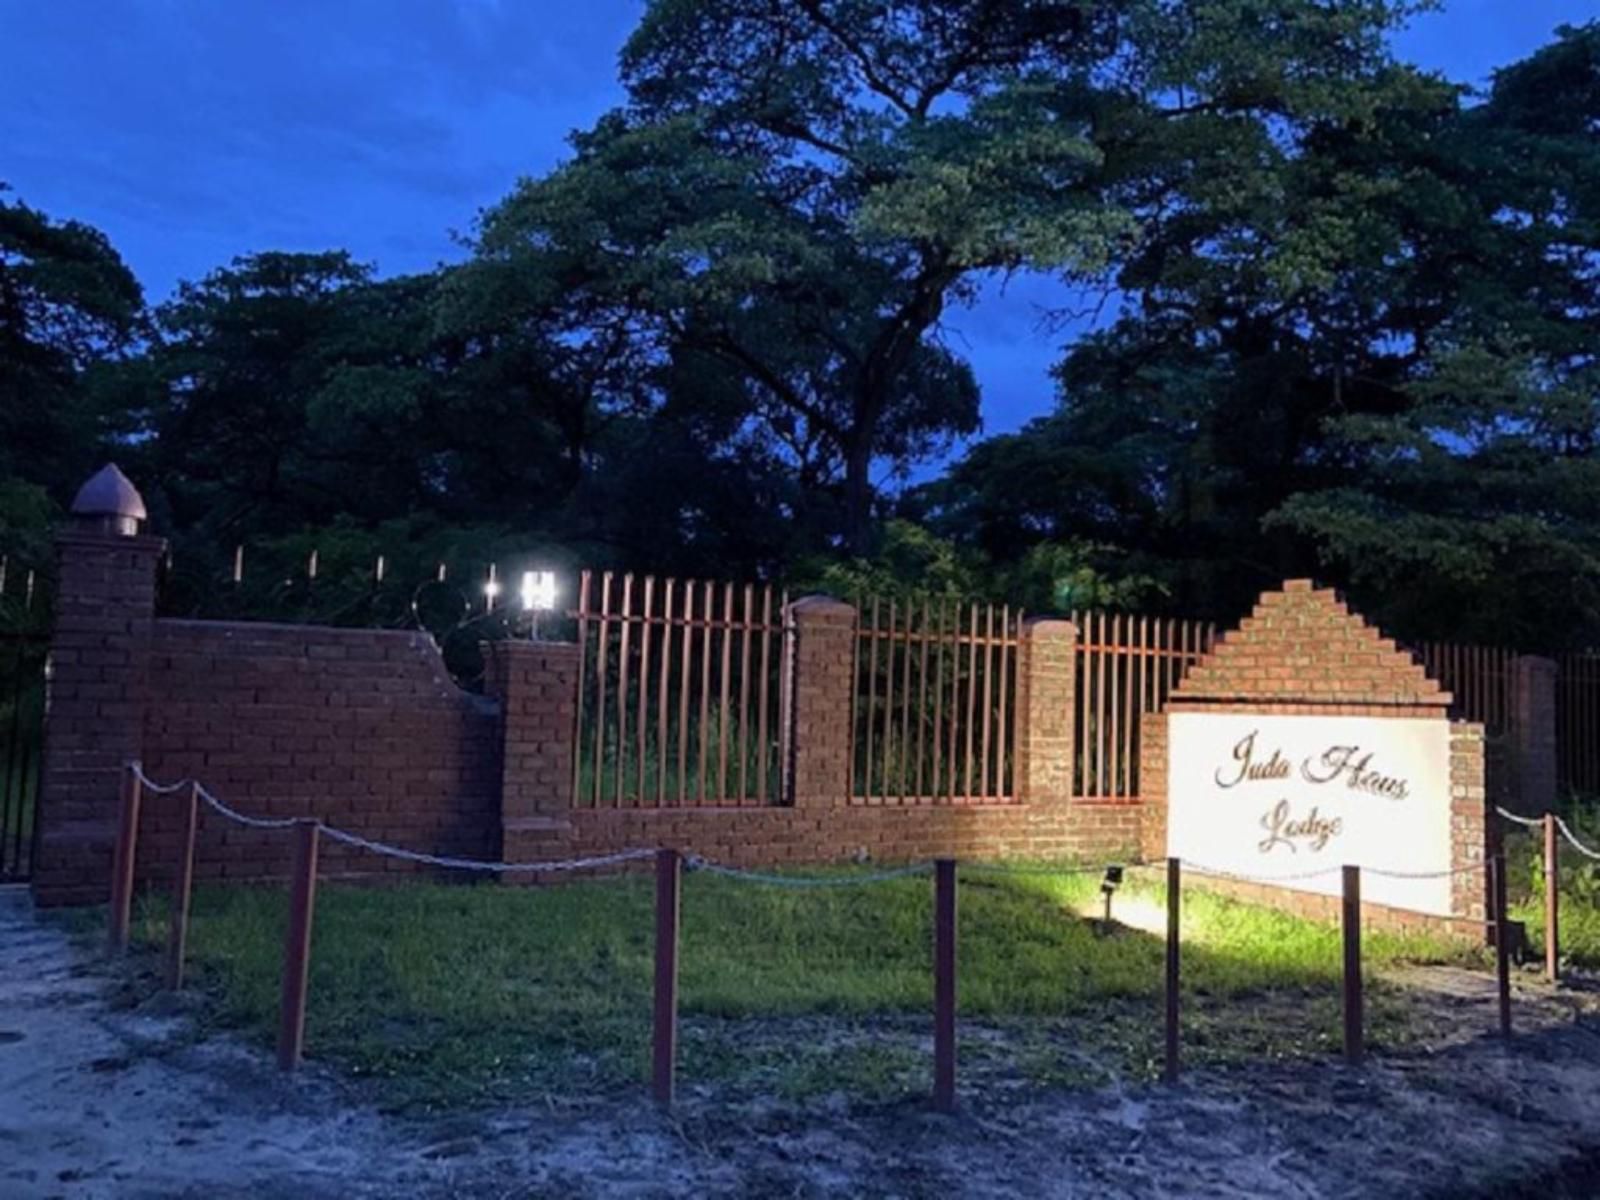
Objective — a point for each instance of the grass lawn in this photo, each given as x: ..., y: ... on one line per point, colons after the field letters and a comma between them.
x: 459, y: 993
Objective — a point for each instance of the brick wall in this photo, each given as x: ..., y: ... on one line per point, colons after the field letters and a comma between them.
x: 365, y: 730
x: 1303, y: 652
x: 362, y: 728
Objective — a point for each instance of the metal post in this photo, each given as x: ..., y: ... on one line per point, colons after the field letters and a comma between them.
x: 122, y: 861
x: 1174, y: 907
x: 944, y: 985
x: 182, y: 885
x: 665, y: 1047
x: 1354, y: 1049
x: 1552, y: 898
x: 297, y: 946
x: 1502, y: 943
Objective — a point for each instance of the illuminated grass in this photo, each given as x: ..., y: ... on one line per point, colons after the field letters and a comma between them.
x: 463, y: 992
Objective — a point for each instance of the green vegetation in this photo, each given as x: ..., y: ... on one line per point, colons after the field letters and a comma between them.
x: 453, y: 993
x: 1580, y: 886
x: 1349, y: 318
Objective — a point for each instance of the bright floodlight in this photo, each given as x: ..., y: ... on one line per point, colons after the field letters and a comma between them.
x: 538, y: 590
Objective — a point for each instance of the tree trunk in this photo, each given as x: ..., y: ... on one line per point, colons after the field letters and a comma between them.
x: 858, y: 495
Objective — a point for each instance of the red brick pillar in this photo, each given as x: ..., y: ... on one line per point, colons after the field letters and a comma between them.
x: 820, y: 675
x: 1045, y: 683
x: 95, y: 706
x: 536, y: 684
x: 1469, y: 820
x: 1532, y: 788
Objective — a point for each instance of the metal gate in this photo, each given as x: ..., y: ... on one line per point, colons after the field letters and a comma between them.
x: 22, y: 659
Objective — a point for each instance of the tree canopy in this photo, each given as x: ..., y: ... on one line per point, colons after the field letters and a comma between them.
x: 1354, y: 311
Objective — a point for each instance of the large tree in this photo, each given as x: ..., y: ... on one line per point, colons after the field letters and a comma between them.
x: 796, y: 192
x: 67, y: 305
x: 1282, y: 391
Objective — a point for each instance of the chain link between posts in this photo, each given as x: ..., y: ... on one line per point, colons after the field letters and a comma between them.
x: 384, y: 848
x: 1566, y: 831
x: 695, y: 862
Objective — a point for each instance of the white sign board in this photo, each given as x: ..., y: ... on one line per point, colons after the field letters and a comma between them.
x: 1276, y: 795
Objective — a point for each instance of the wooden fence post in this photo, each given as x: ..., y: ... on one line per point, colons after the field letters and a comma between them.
x: 1353, y: 1036
x: 665, y: 1046
x: 182, y: 885
x: 944, y: 985
x: 1174, y: 909
x: 1502, y: 943
x: 1552, y: 898
x: 297, y: 945
x: 122, y: 861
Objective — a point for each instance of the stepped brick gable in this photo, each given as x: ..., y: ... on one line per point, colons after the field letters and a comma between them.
x: 1303, y: 653
x: 1303, y: 646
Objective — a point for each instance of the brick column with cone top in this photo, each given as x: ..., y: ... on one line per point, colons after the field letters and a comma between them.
x: 99, y: 660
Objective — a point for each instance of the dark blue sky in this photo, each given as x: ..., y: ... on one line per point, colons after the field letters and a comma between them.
x: 191, y: 131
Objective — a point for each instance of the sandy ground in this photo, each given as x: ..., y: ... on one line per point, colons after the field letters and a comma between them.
x: 100, y: 1103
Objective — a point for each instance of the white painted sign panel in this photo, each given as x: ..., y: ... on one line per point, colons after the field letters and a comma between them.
x: 1275, y: 795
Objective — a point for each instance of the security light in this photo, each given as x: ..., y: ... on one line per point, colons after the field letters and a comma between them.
x: 538, y: 596
x: 1108, y: 885
x: 538, y: 590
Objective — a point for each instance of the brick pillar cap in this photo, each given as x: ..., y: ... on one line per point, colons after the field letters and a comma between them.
x: 108, y: 503
x: 822, y: 606
x: 109, y: 493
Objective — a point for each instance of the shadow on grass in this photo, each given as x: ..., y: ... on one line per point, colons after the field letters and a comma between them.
x: 452, y: 994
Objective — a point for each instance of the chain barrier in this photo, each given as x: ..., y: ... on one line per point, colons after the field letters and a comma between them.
x: 1586, y: 851
x: 1566, y: 831
x: 360, y: 843
x: 695, y: 863
x: 161, y: 789
x: 1520, y: 820
x: 1218, y: 872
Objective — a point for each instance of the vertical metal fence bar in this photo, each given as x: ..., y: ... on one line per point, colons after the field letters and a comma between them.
x: 583, y: 695
x: 922, y: 699
x: 1100, y: 707
x: 786, y: 694
x: 724, y: 711
x: 661, y: 692
x: 684, y: 668
x: 708, y: 602
x: 763, y: 695
x: 936, y: 782
x: 972, y: 697
x: 1002, y: 782
x: 622, y: 689
x: 642, y: 721
x: 886, y: 750
x: 871, y: 634
x: 743, y: 740
x: 603, y: 625
x: 988, y: 700
x: 905, y: 704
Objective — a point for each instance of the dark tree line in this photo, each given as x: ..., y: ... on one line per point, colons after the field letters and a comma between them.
x: 1356, y: 312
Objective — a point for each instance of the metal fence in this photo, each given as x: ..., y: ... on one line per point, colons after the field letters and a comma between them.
x: 935, y: 701
x: 680, y: 692
x: 1127, y: 666
x: 1480, y: 680
x: 1578, y: 722
x: 22, y: 684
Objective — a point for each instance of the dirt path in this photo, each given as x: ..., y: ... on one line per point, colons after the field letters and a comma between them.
x: 98, y: 1103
